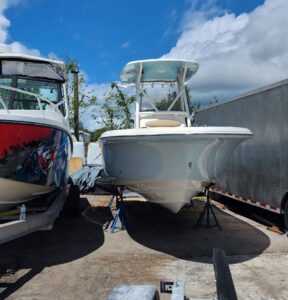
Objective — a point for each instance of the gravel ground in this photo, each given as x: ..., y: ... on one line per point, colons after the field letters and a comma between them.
x: 80, y: 259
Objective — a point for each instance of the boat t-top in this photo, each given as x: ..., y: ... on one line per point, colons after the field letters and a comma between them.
x: 164, y: 158
x: 35, y: 143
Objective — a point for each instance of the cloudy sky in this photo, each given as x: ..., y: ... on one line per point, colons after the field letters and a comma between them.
x: 240, y: 45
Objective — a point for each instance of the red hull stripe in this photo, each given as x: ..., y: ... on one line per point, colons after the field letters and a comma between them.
x: 19, y: 134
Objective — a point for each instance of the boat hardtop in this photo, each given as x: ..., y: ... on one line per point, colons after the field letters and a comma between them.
x: 28, y: 57
x: 158, y: 70
x: 33, y: 66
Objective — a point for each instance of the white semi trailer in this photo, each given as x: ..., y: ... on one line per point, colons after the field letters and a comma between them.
x: 258, y: 170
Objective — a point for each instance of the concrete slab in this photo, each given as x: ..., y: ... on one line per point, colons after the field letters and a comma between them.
x: 80, y: 260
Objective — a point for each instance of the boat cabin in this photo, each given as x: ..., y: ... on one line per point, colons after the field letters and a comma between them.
x: 161, y: 95
x: 29, y: 83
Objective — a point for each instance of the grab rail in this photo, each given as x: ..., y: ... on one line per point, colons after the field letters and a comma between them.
x: 4, y: 105
x: 40, y: 100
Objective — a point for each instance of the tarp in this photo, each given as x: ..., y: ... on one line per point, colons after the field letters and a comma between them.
x: 85, y: 178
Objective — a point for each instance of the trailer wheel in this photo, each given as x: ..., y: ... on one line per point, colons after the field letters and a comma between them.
x: 72, y: 205
x: 286, y: 217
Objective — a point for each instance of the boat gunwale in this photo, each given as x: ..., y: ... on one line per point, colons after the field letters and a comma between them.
x: 184, y: 131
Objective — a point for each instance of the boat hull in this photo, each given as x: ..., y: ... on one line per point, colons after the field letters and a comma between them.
x: 168, y: 169
x: 33, y: 161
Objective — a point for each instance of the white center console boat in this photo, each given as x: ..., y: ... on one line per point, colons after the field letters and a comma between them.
x: 164, y: 158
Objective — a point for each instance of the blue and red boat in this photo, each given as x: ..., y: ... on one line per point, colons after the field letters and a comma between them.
x: 35, y: 139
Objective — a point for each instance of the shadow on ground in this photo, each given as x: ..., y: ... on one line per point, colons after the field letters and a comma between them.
x: 175, y: 234
x: 70, y: 239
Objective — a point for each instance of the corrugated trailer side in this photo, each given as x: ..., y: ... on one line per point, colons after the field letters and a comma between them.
x: 258, y: 170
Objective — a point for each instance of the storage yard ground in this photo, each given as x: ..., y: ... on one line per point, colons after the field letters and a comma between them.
x: 80, y: 259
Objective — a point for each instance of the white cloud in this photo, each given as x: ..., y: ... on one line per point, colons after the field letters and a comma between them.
x: 15, y: 47
x: 236, y: 53
x: 4, y: 22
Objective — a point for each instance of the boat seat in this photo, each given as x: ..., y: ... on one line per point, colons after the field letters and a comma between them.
x: 163, y: 123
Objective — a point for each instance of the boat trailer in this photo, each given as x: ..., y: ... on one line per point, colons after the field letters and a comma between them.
x: 16, y: 226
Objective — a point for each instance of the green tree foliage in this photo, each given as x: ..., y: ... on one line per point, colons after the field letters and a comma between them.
x: 115, y: 112
x: 94, y: 135
x: 165, y: 103
x: 117, y: 109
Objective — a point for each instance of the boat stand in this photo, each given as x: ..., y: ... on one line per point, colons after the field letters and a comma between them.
x: 208, y: 208
x: 121, y: 213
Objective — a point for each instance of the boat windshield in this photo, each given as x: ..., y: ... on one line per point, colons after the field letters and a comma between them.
x: 47, y: 89
x: 160, y: 97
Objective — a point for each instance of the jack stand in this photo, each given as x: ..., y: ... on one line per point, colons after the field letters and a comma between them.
x: 207, y: 209
x: 121, y: 211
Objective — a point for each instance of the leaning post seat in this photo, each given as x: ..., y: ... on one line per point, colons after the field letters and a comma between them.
x: 163, y: 123
x: 163, y: 119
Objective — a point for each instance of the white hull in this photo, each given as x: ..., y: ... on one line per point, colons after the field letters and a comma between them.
x: 172, y: 194
x: 17, y: 192
x: 169, y: 166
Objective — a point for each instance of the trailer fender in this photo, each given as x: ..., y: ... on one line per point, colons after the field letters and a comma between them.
x: 286, y: 217
x: 284, y: 202
x: 284, y: 210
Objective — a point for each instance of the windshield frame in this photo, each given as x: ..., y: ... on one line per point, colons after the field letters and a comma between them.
x: 170, y: 88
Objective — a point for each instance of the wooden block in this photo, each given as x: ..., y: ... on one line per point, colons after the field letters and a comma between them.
x: 275, y: 229
x: 75, y: 164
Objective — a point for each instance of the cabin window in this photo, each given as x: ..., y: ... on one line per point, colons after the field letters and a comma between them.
x: 49, y: 90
